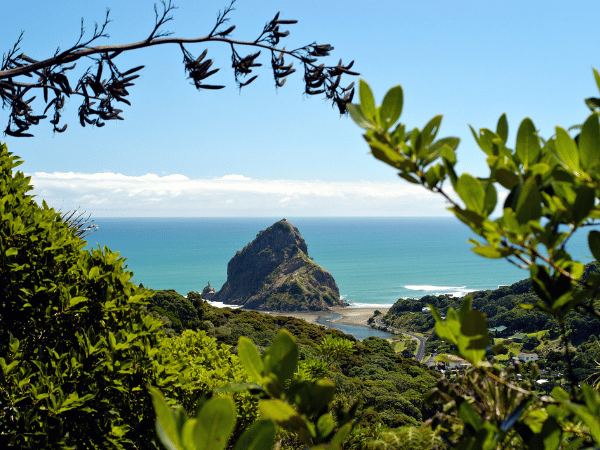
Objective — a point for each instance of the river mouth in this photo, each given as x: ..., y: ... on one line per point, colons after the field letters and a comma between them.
x: 358, y: 331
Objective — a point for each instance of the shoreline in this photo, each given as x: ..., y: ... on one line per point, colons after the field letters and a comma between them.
x: 349, y: 315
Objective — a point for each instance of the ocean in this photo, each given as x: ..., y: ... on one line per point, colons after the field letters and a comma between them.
x: 375, y: 261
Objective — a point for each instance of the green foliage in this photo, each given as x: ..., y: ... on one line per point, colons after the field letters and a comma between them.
x: 76, y: 345
x: 176, y: 306
x: 554, y: 188
x: 356, y: 374
x: 467, y: 330
x: 209, y: 430
x: 404, y: 438
x: 333, y: 348
x: 201, y: 365
x: 297, y: 406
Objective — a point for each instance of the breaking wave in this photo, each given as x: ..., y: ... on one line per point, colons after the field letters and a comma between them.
x: 454, y: 291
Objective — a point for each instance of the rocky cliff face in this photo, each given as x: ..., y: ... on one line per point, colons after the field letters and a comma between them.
x: 274, y: 273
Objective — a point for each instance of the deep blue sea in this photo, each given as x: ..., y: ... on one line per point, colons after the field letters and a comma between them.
x: 375, y: 261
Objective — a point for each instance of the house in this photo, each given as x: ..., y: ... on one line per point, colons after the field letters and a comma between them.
x: 518, y: 337
x: 498, y: 330
x: 527, y: 357
x: 454, y: 362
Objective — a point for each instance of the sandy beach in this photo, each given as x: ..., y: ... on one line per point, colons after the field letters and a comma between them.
x: 350, y: 316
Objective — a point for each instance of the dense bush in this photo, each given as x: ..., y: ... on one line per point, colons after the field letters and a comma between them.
x: 77, y: 347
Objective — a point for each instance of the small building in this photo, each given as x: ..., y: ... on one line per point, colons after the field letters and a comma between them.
x: 518, y: 337
x: 498, y: 330
x: 527, y: 357
x: 455, y: 362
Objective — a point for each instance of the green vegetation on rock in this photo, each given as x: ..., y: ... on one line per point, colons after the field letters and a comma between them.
x: 274, y: 273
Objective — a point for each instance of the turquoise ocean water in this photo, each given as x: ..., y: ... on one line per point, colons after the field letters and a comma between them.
x: 375, y: 261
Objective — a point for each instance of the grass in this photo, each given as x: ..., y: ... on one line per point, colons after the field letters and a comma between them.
x: 399, y: 346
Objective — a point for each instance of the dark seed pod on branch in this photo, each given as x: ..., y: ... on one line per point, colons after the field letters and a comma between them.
x: 52, y: 79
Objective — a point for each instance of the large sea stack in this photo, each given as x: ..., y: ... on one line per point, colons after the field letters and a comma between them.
x: 274, y: 273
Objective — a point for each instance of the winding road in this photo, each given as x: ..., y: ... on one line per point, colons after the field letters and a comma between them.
x: 420, y: 350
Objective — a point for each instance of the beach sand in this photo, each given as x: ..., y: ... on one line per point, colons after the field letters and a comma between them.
x: 350, y: 316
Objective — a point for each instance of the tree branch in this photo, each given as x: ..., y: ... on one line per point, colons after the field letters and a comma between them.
x: 53, y: 78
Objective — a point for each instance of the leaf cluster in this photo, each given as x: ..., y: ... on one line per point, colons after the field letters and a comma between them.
x: 297, y: 406
x: 553, y: 191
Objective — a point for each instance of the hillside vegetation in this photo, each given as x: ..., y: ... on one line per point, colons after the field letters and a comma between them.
x: 502, y: 308
x: 391, y: 388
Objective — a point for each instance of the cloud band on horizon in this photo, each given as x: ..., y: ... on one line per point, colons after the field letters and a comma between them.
x: 116, y: 195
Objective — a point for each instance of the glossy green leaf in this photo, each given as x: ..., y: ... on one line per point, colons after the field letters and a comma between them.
x: 166, y: 427
x: 312, y: 397
x: 367, y: 101
x: 409, y: 178
x: 589, y: 142
x: 490, y: 200
x: 276, y: 410
x: 12, y: 251
x: 472, y: 219
x: 587, y: 415
x: 488, y: 252
x: 594, y: 243
x: 76, y: 300
x: 593, y: 103
x: 528, y: 144
x: 597, y: 78
x: 470, y: 190
x: 567, y: 151
x: 584, y: 202
x: 528, y: 203
x: 483, y: 141
x: 391, y: 108
x: 325, y: 425
x: 502, y: 127
x: 250, y: 358
x: 428, y: 135
x: 469, y: 416
x: 358, y: 117
x: 341, y: 435
x: 281, y: 358
x: 474, y: 327
x: 94, y: 272
x: 260, y: 436
x: 448, y: 153
x: 282, y: 414
x: 187, y: 437
x: 386, y: 153
x: 216, y: 421
x: 465, y: 307
x: 506, y: 178
x: 447, y: 329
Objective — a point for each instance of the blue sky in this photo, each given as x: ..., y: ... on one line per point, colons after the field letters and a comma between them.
x: 267, y: 152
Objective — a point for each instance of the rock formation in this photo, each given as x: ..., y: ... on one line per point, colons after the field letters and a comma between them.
x: 208, y: 292
x: 274, y: 273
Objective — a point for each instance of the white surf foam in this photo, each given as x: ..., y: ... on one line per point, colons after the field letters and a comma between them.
x: 222, y: 305
x: 370, y: 305
x: 426, y: 287
x: 453, y: 291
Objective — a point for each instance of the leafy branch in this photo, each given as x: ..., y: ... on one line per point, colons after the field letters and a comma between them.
x: 101, y: 96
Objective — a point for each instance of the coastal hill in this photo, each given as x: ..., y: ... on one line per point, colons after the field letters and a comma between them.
x: 274, y: 273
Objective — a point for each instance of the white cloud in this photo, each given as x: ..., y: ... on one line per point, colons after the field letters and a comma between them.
x: 235, y: 177
x: 115, y: 194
